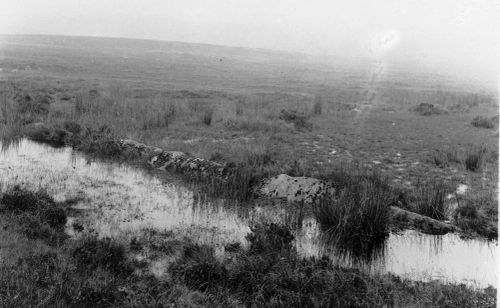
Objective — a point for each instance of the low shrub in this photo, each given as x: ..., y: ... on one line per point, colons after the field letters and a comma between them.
x: 475, y: 158
x: 39, y: 216
x: 92, y: 253
x: 270, y: 238
x: 207, y: 116
x: 477, y: 213
x: 35, y: 104
x: 318, y: 105
x: 20, y: 200
x: 300, y: 120
x: 199, y: 269
x: 443, y: 158
x: 426, y: 109
x: 101, y: 141
x: 35, y: 227
x: 483, y: 122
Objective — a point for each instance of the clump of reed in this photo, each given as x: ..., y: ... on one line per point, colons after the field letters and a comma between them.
x: 475, y: 158
x: 429, y: 199
x: 483, y: 122
x: 359, y: 213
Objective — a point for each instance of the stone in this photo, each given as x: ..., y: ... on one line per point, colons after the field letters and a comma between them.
x: 404, y: 219
x: 295, y: 189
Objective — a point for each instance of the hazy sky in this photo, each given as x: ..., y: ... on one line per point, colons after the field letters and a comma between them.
x: 458, y: 32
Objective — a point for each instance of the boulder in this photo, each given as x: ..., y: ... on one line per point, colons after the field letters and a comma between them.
x: 404, y: 219
x: 140, y: 148
x: 183, y: 163
x: 295, y: 189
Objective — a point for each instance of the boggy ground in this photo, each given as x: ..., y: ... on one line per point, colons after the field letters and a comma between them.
x: 42, y: 266
x: 292, y: 116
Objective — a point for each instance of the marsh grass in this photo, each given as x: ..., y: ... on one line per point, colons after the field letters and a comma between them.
x: 429, y: 199
x: 475, y: 212
x: 358, y: 214
x: 426, y: 109
x: 318, y: 105
x: 443, y: 158
x: 39, y: 216
x: 475, y: 158
x: 300, y: 120
x: 91, y: 253
x: 483, y: 122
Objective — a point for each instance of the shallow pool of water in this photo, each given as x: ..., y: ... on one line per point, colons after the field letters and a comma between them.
x: 119, y: 201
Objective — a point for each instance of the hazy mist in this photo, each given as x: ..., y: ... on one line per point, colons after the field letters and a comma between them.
x: 447, y: 34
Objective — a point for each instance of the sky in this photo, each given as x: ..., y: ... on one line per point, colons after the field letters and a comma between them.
x: 448, y: 33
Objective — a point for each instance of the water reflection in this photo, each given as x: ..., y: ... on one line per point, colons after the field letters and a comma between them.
x: 120, y: 201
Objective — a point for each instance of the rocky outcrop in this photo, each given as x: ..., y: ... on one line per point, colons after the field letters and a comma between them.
x: 403, y: 219
x: 143, y: 150
x: 193, y: 166
x: 294, y: 189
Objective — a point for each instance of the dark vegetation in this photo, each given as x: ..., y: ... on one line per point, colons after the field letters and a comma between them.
x: 299, y: 119
x: 359, y: 215
x: 484, y: 122
x: 39, y: 216
x: 478, y: 214
x: 427, y: 109
x: 473, y: 158
x: 429, y: 199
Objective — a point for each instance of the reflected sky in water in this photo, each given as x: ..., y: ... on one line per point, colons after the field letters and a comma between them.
x: 120, y: 201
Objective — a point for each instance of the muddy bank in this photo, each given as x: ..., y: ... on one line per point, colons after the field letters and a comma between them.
x: 293, y: 189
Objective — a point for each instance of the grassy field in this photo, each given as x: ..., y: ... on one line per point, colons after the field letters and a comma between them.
x: 407, y: 137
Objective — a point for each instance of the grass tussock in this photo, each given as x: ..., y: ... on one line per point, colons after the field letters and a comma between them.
x: 318, y: 105
x: 300, y: 120
x: 483, y: 122
x: 92, y: 253
x: 39, y: 216
x: 475, y: 158
x: 426, y: 109
x: 477, y: 214
x: 359, y: 214
x: 429, y: 199
x: 446, y: 157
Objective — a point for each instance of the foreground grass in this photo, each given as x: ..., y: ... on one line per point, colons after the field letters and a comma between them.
x: 360, y: 211
x: 96, y: 272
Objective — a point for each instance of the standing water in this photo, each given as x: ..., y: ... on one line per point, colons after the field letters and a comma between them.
x: 120, y: 201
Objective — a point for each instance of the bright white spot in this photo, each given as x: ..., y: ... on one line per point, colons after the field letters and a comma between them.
x: 461, y: 189
x: 384, y: 41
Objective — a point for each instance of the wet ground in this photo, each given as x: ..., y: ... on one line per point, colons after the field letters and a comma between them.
x: 125, y: 202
